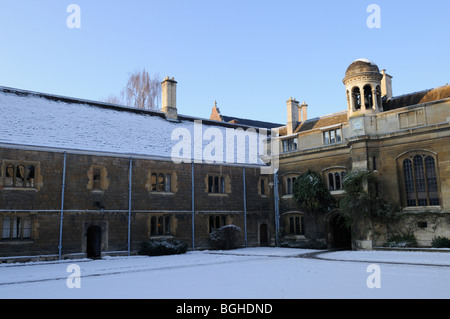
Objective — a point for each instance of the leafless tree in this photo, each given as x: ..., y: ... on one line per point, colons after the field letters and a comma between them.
x: 113, y: 99
x: 142, y: 91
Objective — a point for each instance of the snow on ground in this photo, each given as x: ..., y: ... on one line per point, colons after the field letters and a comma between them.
x: 248, y: 273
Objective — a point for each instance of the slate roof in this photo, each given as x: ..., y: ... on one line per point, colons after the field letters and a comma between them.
x: 252, y: 123
x: 43, y: 120
x: 425, y: 96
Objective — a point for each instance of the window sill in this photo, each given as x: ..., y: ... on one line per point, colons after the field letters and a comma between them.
x: 337, y: 192
x: 161, y: 193
x: 421, y: 209
x: 161, y: 237
x: 218, y: 194
x: 16, y: 241
x: 8, y: 188
x: 287, y: 196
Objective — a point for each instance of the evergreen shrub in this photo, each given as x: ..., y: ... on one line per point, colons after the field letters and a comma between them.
x: 440, y: 242
x: 225, y: 237
x: 162, y: 247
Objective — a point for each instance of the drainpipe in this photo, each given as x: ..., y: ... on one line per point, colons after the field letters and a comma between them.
x: 129, y: 207
x: 62, y: 206
x: 192, y: 192
x: 245, y: 208
x: 277, y: 213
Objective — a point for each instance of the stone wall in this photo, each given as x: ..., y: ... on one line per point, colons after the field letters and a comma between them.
x: 96, y: 193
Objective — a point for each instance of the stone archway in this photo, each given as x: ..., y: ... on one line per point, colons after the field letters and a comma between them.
x: 94, y: 242
x: 339, y: 235
x: 263, y: 235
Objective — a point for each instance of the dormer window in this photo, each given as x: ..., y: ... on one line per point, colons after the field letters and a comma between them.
x: 332, y: 136
x: 290, y: 145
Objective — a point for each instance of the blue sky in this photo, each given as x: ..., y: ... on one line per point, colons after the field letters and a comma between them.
x: 249, y: 55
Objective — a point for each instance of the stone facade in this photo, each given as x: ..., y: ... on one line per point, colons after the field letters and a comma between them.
x: 155, y: 213
x: 72, y: 161
x: 377, y: 133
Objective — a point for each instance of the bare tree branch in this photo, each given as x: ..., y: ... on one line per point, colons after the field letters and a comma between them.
x: 142, y: 91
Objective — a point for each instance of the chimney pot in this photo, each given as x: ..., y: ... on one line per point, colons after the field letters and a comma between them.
x: 169, y: 98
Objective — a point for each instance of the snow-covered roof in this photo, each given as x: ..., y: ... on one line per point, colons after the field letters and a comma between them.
x: 50, y: 121
x: 366, y: 61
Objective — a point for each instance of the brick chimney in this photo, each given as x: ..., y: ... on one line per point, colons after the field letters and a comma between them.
x: 386, y: 85
x: 304, y: 109
x: 169, y: 98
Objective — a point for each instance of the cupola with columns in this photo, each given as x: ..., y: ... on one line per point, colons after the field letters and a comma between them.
x: 363, y: 87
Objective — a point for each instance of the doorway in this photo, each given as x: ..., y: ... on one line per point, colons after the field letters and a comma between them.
x: 94, y: 242
x: 263, y: 234
x: 341, y: 236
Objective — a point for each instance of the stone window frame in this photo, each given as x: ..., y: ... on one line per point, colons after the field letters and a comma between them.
x: 215, y: 221
x: 217, y: 184
x: 28, y: 183
x: 98, y: 178
x: 263, y: 186
x: 336, y: 174
x: 162, y: 182
x: 414, y: 179
x: 294, y: 223
x: 332, y: 134
x: 160, y: 225
x: 289, y: 144
x: 16, y: 226
x: 288, y: 181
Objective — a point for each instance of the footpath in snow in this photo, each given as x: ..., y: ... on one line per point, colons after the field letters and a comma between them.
x: 247, y: 273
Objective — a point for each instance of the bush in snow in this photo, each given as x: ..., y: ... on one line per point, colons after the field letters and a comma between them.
x: 162, y: 247
x: 225, y: 237
x: 440, y: 242
x: 402, y: 241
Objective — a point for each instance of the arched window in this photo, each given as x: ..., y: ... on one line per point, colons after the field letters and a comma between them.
x: 356, y: 95
x: 20, y: 176
x: 296, y: 224
x: 153, y: 226
x: 330, y: 181
x: 160, y: 225
x: 153, y: 181
x: 222, y: 185
x: 30, y: 176
x: 97, y: 179
x: 335, y: 179
x: 167, y: 225
x: 420, y: 180
x: 168, y: 183
x: 216, y: 184
x: 210, y: 184
x: 368, y: 98
x: 161, y: 182
x: 288, y: 186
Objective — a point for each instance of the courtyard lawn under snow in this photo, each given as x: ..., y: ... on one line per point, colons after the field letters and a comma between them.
x: 247, y: 273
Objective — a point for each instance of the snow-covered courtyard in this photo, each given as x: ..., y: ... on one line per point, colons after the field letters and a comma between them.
x: 247, y: 273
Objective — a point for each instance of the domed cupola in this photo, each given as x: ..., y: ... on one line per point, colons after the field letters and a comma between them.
x: 363, y: 86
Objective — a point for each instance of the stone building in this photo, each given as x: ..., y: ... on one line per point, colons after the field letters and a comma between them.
x: 404, y: 140
x: 83, y: 178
